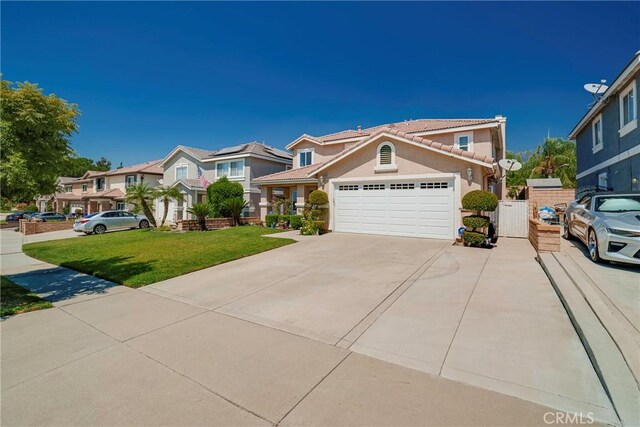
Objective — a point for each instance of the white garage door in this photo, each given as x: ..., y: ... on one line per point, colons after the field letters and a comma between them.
x: 414, y: 208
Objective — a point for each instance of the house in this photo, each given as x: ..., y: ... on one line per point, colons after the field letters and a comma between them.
x: 401, y: 179
x: 241, y: 163
x: 97, y: 191
x: 607, y: 137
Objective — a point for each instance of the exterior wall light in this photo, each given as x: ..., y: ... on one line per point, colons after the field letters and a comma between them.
x: 469, y: 174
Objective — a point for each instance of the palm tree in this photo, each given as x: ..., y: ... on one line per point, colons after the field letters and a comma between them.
x: 167, y: 194
x: 141, y: 195
x: 201, y: 212
x: 235, y: 206
x: 556, y: 158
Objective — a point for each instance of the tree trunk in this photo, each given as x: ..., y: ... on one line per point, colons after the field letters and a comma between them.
x: 203, y: 224
x: 166, y: 208
x: 148, y: 213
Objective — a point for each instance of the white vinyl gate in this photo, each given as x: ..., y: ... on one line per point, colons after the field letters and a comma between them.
x: 513, y: 218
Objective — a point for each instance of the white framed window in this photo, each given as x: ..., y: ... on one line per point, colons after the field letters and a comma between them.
x: 596, y: 133
x: 130, y: 180
x: 602, y: 179
x: 68, y: 188
x: 100, y: 184
x: 464, y: 141
x: 230, y: 169
x: 305, y: 157
x: 181, y: 172
x: 628, y: 100
x: 386, y: 157
x: 119, y: 206
x: 85, y: 187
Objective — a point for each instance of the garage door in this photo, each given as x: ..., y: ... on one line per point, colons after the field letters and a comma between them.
x: 399, y: 208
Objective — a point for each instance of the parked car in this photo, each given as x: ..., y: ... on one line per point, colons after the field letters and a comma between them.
x: 100, y: 222
x: 49, y: 216
x: 29, y: 215
x: 608, y: 223
x: 15, y: 216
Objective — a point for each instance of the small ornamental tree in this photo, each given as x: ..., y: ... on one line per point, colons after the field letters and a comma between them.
x: 316, y: 208
x: 478, y: 201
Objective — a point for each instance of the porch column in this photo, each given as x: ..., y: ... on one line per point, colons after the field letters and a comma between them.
x: 300, y: 201
x: 266, y: 195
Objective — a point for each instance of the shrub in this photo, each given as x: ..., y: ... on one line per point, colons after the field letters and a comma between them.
x: 479, y: 200
x: 476, y: 221
x: 473, y: 238
x: 309, y: 227
x: 295, y: 221
x: 200, y: 211
x: 271, y: 220
x: 319, y: 225
x: 318, y: 198
x: 284, y: 218
x: 235, y: 206
x: 66, y: 210
x: 220, y: 191
x: 31, y: 208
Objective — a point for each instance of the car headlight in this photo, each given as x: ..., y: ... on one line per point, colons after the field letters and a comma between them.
x: 624, y: 233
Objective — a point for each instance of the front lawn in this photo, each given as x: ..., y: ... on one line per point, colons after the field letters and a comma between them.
x: 15, y: 299
x: 140, y: 257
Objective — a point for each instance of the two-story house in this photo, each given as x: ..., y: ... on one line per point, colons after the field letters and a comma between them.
x: 607, y: 137
x: 241, y: 163
x: 400, y: 179
x: 97, y: 191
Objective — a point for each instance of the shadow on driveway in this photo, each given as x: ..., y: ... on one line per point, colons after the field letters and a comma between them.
x: 606, y: 264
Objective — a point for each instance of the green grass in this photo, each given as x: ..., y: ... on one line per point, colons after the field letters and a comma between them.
x: 140, y: 257
x: 15, y: 299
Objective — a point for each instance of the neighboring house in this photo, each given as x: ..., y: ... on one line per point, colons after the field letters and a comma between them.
x: 607, y: 136
x: 402, y: 179
x: 242, y: 163
x: 97, y: 191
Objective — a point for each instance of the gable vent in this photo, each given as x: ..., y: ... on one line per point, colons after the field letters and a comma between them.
x: 385, y: 155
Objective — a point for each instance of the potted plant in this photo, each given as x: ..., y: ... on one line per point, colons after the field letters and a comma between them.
x: 478, y: 201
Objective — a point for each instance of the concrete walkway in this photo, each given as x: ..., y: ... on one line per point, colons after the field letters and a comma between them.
x: 264, y: 340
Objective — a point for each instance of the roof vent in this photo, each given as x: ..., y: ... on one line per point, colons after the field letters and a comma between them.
x: 359, y: 127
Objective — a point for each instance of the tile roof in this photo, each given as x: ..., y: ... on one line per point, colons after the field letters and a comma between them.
x: 190, y: 183
x: 67, y: 179
x: 114, y: 193
x: 66, y: 196
x: 152, y: 167
x: 253, y: 147
x: 291, y: 174
x: 198, y: 153
x: 410, y: 126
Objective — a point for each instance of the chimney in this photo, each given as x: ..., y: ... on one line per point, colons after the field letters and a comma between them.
x: 359, y: 127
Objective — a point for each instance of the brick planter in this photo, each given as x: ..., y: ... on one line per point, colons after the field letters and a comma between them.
x: 214, y: 223
x: 37, y: 227
x: 544, y: 237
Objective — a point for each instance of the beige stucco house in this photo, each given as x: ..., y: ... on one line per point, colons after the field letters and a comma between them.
x: 402, y: 179
x: 98, y: 191
x: 241, y: 163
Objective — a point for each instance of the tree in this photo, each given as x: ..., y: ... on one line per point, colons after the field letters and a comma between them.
x: 235, y: 206
x: 141, y: 195
x: 77, y: 166
x: 103, y: 164
x: 35, y: 132
x: 554, y: 158
x: 201, y: 211
x: 167, y: 194
x: 220, y: 191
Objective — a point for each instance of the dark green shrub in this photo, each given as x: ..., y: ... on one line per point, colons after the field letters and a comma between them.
x: 284, y: 219
x: 271, y: 220
x: 66, y: 210
x: 220, y: 191
x: 318, y: 198
x: 31, y: 208
x: 295, y: 221
x: 319, y: 225
x: 479, y: 200
x: 235, y: 206
x: 476, y: 221
x: 473, y: 238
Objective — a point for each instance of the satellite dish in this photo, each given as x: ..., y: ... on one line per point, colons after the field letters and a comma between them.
x: 510, y: 165
x: 596, y: 88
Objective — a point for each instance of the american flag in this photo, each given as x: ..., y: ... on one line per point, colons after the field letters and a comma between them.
x: 203, y: 181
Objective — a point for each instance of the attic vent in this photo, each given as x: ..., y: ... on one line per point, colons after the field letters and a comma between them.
x: 385, y: 155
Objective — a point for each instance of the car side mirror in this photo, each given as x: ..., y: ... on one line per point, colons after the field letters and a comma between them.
x: 580, y: 206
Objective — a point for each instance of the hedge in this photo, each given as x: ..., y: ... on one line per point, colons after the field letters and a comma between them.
x: 479, y: 200
x: 473, y: 238
x: 295, y: 221
x: 476, y: 221
x: 271, y: 220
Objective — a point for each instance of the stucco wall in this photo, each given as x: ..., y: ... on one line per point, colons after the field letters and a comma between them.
x: 182, y: 159
x: 320, y: 152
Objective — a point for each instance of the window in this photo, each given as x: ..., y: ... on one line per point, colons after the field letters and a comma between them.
x: 602, y: 179
x: 373, y: 187
x: 628, y: 109
x: 403, y: 186
x: 68, y: 188
x: 130, y: 180
x: 85, y: 188
x: 181, y: 172
x: 429, y: 185
x: 99, y: 184
x: 120, y: 206
x: 305, y: 157
x: 464, y: 141
x: 348, y: 187
x: 596, y: 130
x: 232, y: 169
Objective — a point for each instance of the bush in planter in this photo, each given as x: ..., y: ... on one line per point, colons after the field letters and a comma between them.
x: 473, y: 238
x: 295, y: 221
x: 476, y: 221
x: 271, y: 220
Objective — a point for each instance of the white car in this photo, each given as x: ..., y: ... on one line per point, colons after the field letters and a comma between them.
x: 608, y: 223
x: 100, y: 222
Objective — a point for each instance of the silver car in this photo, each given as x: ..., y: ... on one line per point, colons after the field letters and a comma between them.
x: 608, y: 223
x: 100, y: 222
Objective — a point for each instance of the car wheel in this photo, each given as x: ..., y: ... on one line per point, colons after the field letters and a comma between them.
x: 566, y: 232
x: 99, y: 229
x: 144, y: 224
x: 592, y: 245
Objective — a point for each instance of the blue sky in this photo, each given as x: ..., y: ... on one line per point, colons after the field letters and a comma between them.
x: 148, y: 76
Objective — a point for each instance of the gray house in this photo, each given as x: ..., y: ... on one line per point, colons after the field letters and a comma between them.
x: 241, y: 163
x: 607, y: 137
